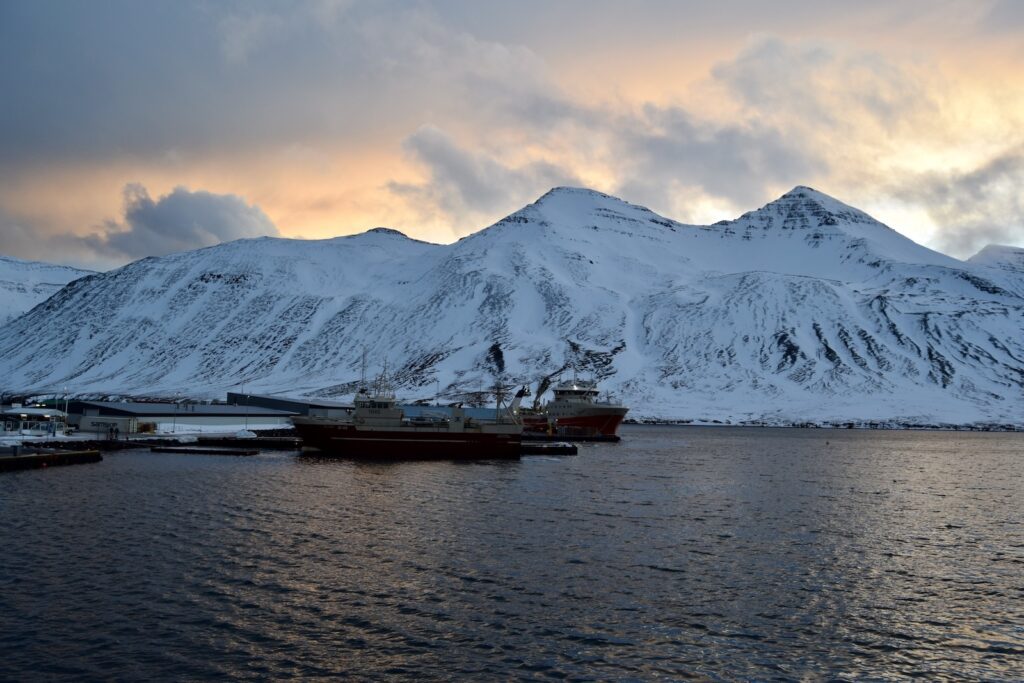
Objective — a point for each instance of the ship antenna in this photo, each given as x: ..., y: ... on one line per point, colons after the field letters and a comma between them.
x: 384, y: 383
x: 362, y: 372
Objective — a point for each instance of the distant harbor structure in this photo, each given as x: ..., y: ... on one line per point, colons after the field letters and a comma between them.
x: 33, y: 421
x: 298, y: 406
x: 129, y: 417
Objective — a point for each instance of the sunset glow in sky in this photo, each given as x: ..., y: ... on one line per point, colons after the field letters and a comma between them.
x: 133, y: 129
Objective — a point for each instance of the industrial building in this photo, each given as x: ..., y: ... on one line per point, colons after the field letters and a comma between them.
x: 143, y: 417
x: 301, y: 406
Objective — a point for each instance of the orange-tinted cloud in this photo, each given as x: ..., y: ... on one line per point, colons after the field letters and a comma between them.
x: 438, y: 119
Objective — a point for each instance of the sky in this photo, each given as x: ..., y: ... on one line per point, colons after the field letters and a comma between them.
x: 136, y: 129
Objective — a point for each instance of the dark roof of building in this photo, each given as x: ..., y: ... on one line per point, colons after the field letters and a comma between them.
x: 297, y: 400
x: 183, y: 409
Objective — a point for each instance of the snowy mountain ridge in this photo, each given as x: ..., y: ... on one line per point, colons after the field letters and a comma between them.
x: 803, y: 310
x: 1000, y: 256
x: 23, y: 284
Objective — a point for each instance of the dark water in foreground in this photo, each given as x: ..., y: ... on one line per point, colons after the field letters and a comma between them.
x: 723, y: 553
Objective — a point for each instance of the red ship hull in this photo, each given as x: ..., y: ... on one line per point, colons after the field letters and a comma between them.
x: 347, y: 441
x: 606, y: 424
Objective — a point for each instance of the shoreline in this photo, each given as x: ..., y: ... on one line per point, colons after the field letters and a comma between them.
x: 864, y: 425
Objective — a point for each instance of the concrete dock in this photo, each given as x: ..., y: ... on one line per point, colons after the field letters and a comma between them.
x: 10, y: 463
x: 204, y: 450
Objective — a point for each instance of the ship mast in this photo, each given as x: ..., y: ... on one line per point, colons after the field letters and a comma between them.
x: 499, y: 398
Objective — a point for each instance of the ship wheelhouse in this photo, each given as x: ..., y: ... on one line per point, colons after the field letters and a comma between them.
x: 576, y: 391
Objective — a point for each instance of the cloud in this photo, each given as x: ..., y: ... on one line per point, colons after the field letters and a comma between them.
x: 1005, y: 16
x: 667, y: 151
x: 179, y: 221
x: 661, y: 157
x: 252, y: 26
x: 802, y: 113
x: 245, y: 33
x: 462, y: 184
x: 823, y: 87
x: 973, y: 208
x: 430, y: 115
x: 19, y: 239
x: 193, y: 77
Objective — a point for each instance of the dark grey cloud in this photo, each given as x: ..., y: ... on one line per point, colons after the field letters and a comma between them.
x: 122, y: 79
x: 88, y: 82
x: 465, y: 184
x: 1005, y: 16
x: 118, y: 78
x: 654, y: 154
x: 974, y: 208
x: 795, y: 101
x: 100, y: 78
x: 667, y: 148
x: 179, y: 221
x: 572, y: 25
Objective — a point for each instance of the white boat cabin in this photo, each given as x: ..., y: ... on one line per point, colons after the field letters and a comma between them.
x: 34, y: 421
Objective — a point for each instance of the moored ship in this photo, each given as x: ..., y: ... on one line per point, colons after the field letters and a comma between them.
x: 378, y: 429
x: 575, y: 410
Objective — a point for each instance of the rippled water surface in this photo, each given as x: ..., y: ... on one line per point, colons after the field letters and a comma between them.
x: 722, y: 553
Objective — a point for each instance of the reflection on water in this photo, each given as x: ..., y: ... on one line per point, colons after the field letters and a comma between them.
x: 729, y: 553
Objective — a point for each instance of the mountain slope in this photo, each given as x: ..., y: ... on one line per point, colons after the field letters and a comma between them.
x: 1002, y: 257
x: 805, y: 309
x: 23, y: 284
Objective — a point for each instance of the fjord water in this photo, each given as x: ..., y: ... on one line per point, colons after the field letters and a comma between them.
x: 709, y: 552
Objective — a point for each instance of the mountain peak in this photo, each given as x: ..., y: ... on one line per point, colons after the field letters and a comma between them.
x: 563, y: 209
x: 806, y: 207
x: 819, y: 218
x: 808, y: 196
x: 803, y: 191
x: 1000, y: 256
x: 580, y: 207
x: 563, y: 191
x: 386, y: 231
x: 579, y: 202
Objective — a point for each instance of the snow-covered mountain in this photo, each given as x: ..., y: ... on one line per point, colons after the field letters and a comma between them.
x: 805, y: 309
x: 1000, y: 256
x: 23, y: 284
